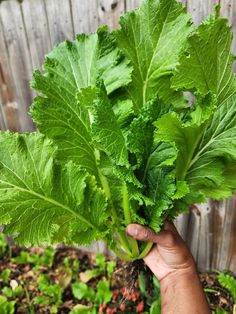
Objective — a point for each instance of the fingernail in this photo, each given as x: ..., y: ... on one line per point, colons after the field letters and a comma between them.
x: 132, y: 231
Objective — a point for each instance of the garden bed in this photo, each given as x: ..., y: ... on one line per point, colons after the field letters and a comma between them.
x: 68, y: 280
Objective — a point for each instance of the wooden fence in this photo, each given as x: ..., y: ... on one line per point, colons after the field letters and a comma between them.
x: 28, y: 30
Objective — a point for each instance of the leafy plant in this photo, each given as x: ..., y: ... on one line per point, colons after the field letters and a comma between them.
x: 229, y: 283
x: 51, y: 294
x: 5, y: 275
x: 121, y: 141
x: 6, y: 307
x: 82, y: 291
x: 45, y: 259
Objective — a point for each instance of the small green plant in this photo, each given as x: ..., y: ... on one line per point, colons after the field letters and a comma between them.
x: 82, y: 291
x: 6, y: 307
x: 229, y: 283
x: 45, y: 259
x: 5, y: 275
x: 103, y: 267
x: 51, y: 294
x: 11, y: 292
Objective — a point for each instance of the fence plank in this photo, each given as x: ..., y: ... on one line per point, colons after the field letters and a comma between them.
x: 205, y: 237
x: 85, y: 16
x: 228, y: 9
x: 6, y: 86
x: 109, y: 12
x: 200, y: 8
x: 224, y: 234
x: 37, y: 33
x: 132, y: 4
x: 194, y: 231
x: 59, y: 20
x: 19, y: 58
x: 181, y: 223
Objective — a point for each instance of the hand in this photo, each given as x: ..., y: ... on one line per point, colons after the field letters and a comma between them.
x: 169, y: 254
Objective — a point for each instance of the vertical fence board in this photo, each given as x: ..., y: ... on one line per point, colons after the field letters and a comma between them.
x: 85, y: 16
x: 9, y: 115
x: 132, y: 4
x: 194, y: 231
x: 109, y: 12
x: 37, y: 33
x: 224, y: 234
x: 19, y: 58
x: 59, y: 20
x: 200, y: 8
x: 228, y: 9
x: 181, y: 223
x: 205, y: 237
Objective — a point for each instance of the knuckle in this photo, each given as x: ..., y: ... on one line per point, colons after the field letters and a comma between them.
x: 170, y: 240
x: 146, y: 234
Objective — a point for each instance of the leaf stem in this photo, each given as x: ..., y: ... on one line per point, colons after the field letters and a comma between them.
x: 123, y: 240
x: 128, y: 220
x: 146, y: 250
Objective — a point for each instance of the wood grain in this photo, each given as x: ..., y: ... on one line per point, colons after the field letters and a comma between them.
x: 37, y: 33
x: 60, y: 21
x: 85, y: 16
x: 200, y: 9
x: 19, y: 58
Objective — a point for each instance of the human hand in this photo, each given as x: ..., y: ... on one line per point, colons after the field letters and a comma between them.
x: 169, y: 254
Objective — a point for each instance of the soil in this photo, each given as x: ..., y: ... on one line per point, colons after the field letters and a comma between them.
x: 126, y: 296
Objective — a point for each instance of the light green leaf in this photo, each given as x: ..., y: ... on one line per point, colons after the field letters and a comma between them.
x: 70, y: 67
x: 206, y: 153
x: 161, y: 183
x: 152, y: 38
x: 207, y: 65
x: 141, y: 129
x: 36, y: 193
x: 107, y: 132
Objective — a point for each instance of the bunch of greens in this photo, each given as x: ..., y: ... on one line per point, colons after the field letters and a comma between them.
x: 135, y: 126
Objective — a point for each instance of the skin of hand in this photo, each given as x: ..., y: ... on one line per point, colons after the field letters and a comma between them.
x: 169, y: 253
x: 173, y: 265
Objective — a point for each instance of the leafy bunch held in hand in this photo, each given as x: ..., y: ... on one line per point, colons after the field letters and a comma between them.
x: 135, y: 126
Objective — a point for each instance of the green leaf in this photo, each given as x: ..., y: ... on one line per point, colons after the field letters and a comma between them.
x: 206, y: 153
x: 207, y: 65
x: 36, y: 193
x: 80, y: 63
x: 70, y: 67
x: 152, y: 38
x: 6, y: 307
x: 141, y: 129
x: 82, y: 291
x: 183, y: 137
x: 104, y: 293
x: 81, y: 309
x: 107, y: 132
x: 229, y: 283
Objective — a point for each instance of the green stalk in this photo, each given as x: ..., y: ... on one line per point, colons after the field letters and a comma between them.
x: 146, y: 250
x: 123, y: 240
x: 128, y: 220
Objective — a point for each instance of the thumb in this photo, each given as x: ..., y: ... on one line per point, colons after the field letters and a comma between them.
x: 165, y: 238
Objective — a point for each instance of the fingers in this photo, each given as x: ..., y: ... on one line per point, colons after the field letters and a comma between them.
x: 141, y: 233
x: 168, y: 237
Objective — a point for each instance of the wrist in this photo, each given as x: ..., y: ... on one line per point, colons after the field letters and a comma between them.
x: 180, y: 276
x: 182, y: 293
